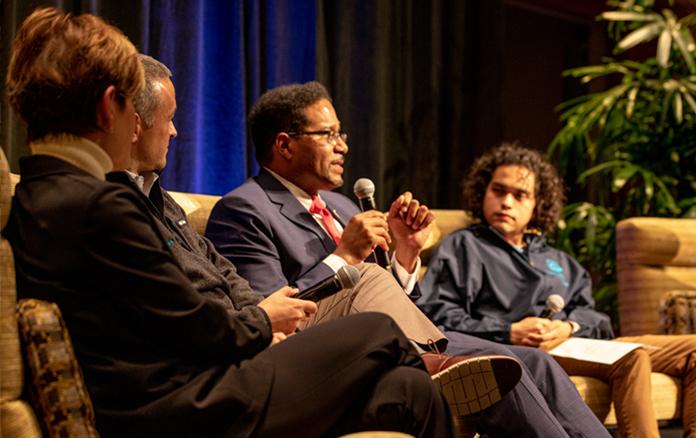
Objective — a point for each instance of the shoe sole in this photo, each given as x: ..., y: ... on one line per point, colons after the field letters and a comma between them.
x: 471, y: 386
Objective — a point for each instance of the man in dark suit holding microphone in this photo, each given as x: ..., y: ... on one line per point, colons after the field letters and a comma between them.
x: 276, y: 230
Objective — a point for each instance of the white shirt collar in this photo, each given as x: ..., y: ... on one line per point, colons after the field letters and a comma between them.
x: 297, y: 192
x: 145, y: 185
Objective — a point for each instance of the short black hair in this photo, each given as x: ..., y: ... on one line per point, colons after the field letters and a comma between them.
x: 281, y: 109
x: 548, y: 190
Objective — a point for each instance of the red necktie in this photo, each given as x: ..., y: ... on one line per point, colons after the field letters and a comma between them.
x: 318, y: 207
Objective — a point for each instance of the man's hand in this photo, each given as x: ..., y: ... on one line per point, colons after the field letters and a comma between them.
x: 556, y: 333
x: 364, y: 232
x: 527, y: 331
x: 540, y: 332
x: 278, y: 337
x: 286, y: 312
x: 411, y: 223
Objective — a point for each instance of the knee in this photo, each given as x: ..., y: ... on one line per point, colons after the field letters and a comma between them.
x: 635, y: 362
x: 407, y: 394
x: 373, y: 274
x: 535, y: 358
x: 373, y: 321
x: 690, y: 342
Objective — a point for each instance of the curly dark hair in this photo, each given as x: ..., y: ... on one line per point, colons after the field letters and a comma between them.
x: 281, y: 110
x: 548, y: 191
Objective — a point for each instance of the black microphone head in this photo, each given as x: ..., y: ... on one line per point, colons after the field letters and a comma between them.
x: 364, y: 188
x: 555, y: 303
x: 348, y: 276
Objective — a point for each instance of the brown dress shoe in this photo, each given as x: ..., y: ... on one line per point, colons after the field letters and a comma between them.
x: 472, y: 383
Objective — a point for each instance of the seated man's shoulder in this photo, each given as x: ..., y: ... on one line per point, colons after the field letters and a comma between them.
x: 470, y: 233
x: 250, y: 193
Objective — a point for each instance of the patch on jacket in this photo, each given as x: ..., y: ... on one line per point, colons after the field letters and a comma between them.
x: 555, y: 269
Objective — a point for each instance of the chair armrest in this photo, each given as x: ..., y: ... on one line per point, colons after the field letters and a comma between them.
x: 56, y: 385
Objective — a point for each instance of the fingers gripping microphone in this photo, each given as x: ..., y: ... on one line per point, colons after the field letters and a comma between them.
x: 554, y: 304
x: 364, y: 189
x: 345, y: 278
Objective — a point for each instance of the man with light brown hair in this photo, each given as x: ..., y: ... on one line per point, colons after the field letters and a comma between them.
x: 159, y: 358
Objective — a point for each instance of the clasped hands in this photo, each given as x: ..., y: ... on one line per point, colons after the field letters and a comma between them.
x: 541, y: 333
x: 409, y: 221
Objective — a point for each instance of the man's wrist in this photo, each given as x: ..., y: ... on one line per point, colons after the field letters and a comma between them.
x: 574, y: 327
x: 347, y: 257
x: 407, y: 258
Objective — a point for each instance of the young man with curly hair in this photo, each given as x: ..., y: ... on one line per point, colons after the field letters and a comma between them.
x: 492, y: 279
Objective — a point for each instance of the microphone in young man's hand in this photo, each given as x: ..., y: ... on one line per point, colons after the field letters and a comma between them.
x: 554, y: 304
x: 345, y: 278
x: 364, y: 190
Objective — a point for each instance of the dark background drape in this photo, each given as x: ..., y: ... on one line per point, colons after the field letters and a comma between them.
x: 416, y: 86
x: 422, y: 87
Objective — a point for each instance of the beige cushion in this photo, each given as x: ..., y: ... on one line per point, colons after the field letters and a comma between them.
x: 653, y: 255
x: 666, y: 397
x: 596, y: 394
x: 10, y: 359
x: 446, y: 221
x: 197, y: 208
x: 5, y: 190
x: 17, y: 420
x: 14, y: 179
x: 657, y: 241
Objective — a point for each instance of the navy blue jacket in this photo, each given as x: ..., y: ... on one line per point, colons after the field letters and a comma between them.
x: 479, y: 284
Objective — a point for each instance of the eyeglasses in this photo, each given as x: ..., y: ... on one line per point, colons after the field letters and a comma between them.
x: 331, y: 136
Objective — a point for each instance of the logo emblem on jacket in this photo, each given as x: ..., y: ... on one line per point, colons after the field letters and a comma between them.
x: 555, y: 269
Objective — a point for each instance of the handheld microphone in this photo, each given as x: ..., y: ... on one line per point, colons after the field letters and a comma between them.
x: 554, y: 304
x: 345, y: 278
x: 364, y: 190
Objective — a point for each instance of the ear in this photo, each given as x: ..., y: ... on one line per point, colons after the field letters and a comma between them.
x: 106, y: 109
x: 283, y: 146
x: 138, y: 128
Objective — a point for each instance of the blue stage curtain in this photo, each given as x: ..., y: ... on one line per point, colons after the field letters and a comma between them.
x: 223, y: 54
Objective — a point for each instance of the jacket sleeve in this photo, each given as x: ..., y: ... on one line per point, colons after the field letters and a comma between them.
x: 581, y: 306
x: 122, y: 243
x: 244, y: 294
x: 246, y: 237
x: 450, y: 287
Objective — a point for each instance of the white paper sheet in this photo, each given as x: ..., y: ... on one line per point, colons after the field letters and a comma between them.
x: 594, y: 350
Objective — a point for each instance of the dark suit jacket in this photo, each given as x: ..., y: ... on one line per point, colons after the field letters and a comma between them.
x: 270, y: 237
x: 209, y: 272
x: 158, y: 358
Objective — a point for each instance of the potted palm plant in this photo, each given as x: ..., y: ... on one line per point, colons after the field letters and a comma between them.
x: 632, y: 145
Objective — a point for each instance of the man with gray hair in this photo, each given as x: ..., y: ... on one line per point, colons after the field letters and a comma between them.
x: 344, y: 385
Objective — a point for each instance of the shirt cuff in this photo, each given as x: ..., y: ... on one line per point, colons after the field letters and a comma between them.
x: 407, y: 280
x: 576, y: 326
x: 334, y: 262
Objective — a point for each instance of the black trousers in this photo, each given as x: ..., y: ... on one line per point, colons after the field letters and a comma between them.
x: 352, y: 374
